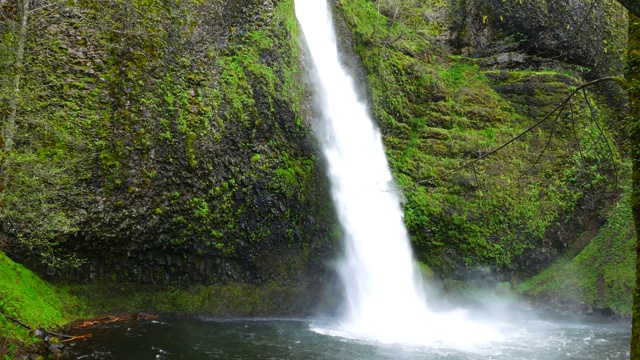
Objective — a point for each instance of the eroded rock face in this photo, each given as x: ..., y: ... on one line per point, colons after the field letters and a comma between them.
x: 240, y: 196
x: 192, y: 158
x: 511, y: 214
x: 199, y: 164
x: 589, y: 34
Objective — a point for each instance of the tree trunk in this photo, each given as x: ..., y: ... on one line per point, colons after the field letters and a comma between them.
x: 10, y: 125
x: 633, y: 77
x: 9, y: 129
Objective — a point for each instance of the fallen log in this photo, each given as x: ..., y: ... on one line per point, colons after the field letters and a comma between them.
x: 73, y: 338
x: 17, y: 321
x: 108, y: 319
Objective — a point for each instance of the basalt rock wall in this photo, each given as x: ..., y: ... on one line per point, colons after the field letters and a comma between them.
x: 452, y: 81
x: 171, y: 142
x: 176, y: 147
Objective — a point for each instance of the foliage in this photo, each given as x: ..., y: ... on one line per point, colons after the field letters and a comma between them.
x: 233, y: 299
x: 601, y: 275
x: 45, y: 174
x: 438, y: 112
x: 24, y: 296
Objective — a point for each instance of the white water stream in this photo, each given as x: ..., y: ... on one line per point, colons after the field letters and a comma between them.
x: 385, y: 300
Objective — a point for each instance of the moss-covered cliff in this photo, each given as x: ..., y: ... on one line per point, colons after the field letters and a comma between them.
x: 518, y: 209
x: 589, y: 34
x: 175, y: 138
x: 169, y: 142
x: 596, y: 275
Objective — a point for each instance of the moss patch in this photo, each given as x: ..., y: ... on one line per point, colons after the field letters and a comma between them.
x: 230, y: 300
x: 149, y: 128
x: 599, y: 276
x: 23, y: 295
x: 438, y: 112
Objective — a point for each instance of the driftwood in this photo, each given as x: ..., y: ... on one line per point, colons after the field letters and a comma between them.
x: 73, y: 338
x: 97, y: 321
x: 17, y: 321
x: 103, y: 320
x: 30, y: 328
x: 108, y: 319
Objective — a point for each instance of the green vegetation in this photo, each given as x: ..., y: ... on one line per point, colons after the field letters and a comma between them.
x: 24, y: 296
x: 438, y: 112
x: 632, y: 75
x: 182, y: 120
x: 233, y: 299
x: 50, y: 158
x: 601, y: 275
x: 173, y: 133
x: 170, y: 143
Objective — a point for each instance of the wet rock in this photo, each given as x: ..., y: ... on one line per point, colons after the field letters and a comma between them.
x: 567, y: 31
x: 55, y: 348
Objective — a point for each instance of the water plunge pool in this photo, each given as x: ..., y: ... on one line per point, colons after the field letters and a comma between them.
x: 527, y: 338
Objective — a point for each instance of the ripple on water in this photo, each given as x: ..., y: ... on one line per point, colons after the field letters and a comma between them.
x: 304, y: 340
x: 526, y: 340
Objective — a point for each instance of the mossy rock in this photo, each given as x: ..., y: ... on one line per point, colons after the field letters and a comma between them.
x: 513, y: 212
x: 174, y: 131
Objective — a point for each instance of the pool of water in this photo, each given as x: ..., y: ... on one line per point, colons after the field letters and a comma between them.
x: 180, y: 338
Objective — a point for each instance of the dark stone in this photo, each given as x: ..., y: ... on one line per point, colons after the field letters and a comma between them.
x: 569, y: 31
x: 55, y: 348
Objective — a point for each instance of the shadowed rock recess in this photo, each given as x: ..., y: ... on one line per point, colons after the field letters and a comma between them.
x: 170, y: 144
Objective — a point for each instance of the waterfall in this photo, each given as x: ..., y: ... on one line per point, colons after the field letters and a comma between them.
x: 384, y: 299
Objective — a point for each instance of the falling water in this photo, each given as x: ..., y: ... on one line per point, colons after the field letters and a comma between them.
x: 385, y: 301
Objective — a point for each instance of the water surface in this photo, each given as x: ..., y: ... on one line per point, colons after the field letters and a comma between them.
x: 319, y: 339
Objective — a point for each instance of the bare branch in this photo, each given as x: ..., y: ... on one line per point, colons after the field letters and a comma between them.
x: 586, y: 17
x: 615, y: 79
x: 58, y: 4
x: 6, y: 21
x: 47, y: 14
x: 593, y: 118
x: 575, y: 131
x: 546, y: 146
x: 17, y: 321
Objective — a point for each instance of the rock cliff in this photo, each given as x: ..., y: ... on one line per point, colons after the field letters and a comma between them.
x: 171, y: 142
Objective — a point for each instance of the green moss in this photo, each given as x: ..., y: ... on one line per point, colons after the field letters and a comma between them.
x: 152, y: 106
x: 234, y: 299
x: 51, y: 159
x: 601, y: 275
x: 438, y: 112
x: 24, y: 296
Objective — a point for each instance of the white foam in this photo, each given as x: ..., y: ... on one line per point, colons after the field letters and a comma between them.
x: 385, y: 302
